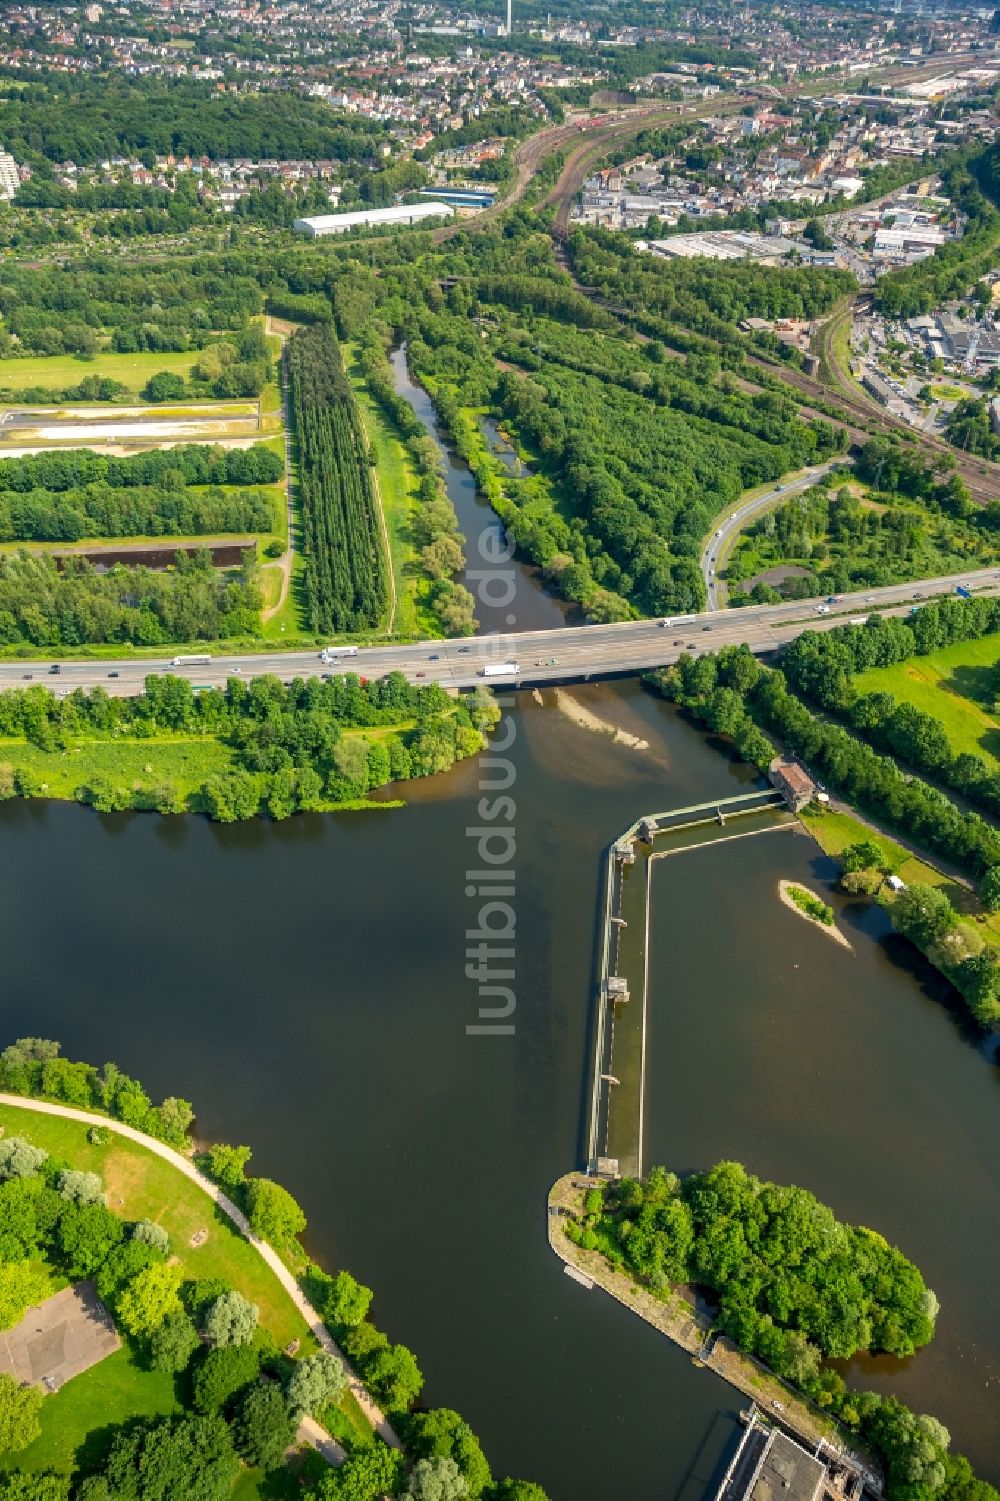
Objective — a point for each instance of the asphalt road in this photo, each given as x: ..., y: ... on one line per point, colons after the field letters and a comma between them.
x: 573, y: 654
x: 720, y: 543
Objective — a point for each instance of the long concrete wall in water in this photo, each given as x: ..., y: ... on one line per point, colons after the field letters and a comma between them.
x: 619, y: 856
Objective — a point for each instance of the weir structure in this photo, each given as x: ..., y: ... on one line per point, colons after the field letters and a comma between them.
x: 777, y: 1409
x: 617, y: 1086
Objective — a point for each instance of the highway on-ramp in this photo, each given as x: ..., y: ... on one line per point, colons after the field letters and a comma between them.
x: 720, y: 544
x: 568, y: 654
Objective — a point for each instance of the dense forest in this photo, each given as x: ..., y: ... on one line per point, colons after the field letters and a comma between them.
x: 65, y: 495
x: 792, y: 1283
x: 707, y: 297
x: 86, y: 120
x: 633, y: 452
x: 346, y: 566
x: 177, y: 306
x: 44, y: 604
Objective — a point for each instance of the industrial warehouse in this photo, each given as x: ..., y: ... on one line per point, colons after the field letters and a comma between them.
x: 318, y: 225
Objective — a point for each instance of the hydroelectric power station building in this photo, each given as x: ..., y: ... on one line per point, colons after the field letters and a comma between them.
x: 770, y: 1465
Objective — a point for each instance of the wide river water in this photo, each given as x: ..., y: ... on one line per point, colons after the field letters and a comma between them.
x: 304, y: 985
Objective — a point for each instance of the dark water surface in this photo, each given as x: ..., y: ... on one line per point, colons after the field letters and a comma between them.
x: 303, y: 983
x: 530, y: 607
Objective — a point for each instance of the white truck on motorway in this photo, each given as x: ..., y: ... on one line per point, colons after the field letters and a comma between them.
x: 197, y: 661
x: 501, y: 669
x: 329, y: 653
x: 679, y: 619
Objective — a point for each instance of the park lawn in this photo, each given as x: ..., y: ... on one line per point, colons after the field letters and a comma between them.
x: 952, y: 685
x: 185, y: 762
x: 398, y: 487
x: 58, y: 371
x: 141, y: 1185
x: 833, y: 832
x: 116, y: 1389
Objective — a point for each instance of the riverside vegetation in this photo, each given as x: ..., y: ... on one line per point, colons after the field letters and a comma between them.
x: 794, y: 1287
x: 260, y: 746
x: 739, y: 698
x: 228, y: 1397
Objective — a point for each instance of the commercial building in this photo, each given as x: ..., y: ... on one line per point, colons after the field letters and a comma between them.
x: 405, y: 213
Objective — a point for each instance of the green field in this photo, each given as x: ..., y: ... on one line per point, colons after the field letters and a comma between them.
x: 954, y: 686
x: 58, y: 371
x: 185, y: 762
x: 833, y: 832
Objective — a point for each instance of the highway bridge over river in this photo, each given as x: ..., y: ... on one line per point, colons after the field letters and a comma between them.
x: 564, y: 655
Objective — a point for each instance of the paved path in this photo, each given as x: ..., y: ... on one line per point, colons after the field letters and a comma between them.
x: 720, y: 544
x: 374, y: 1414
x: 287, y: 558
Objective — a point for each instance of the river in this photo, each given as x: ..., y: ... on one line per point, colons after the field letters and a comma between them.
x: 304, y: 984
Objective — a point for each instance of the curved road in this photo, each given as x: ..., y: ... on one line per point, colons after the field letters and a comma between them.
x: 566, y: 654
x: 720, y: 544
x: 313, y: 1433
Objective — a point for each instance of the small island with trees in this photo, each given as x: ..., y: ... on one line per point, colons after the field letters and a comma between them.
x: 788, y: 1288
x: 808, y: 905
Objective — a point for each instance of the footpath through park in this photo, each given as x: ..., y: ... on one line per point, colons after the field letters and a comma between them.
x: 310, y: 1431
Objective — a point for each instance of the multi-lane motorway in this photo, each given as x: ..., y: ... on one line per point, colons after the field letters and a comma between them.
x: 572, y: 654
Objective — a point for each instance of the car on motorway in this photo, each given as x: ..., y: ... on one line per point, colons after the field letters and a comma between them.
x: 435, y: 656
x: 420, y: 674
x: 918, y: 595
x: 464, y: 648
x: 822, y: 609
x: 27, y: 676
x: 114, y: 674
x: 54, y: 669
x: 706, y: 627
